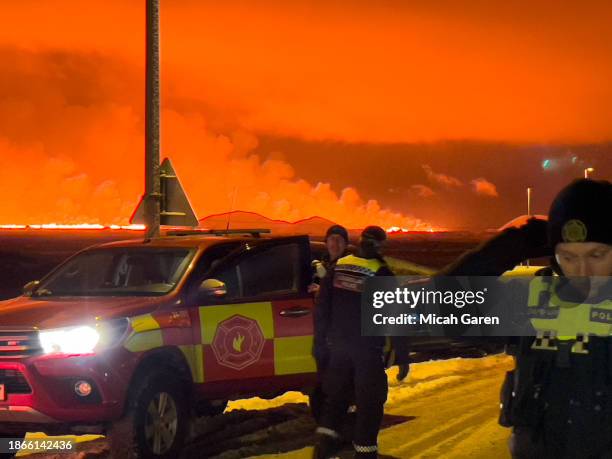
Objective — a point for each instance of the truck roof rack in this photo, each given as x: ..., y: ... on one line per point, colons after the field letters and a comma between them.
x: 254, y: 232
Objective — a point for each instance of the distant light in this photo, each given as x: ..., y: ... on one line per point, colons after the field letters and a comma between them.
x: 574, y: 159
x: 546, y: 164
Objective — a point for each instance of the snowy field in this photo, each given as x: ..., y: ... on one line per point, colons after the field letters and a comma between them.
x: 446, y: 408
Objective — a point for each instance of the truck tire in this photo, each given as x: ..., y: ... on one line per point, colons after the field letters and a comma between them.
x: 156, y: 421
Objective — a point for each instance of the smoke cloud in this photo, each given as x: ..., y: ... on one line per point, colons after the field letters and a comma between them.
x: 443, y: 180
x: 71, y: 140
x: 483, y: 187
x: 423, y: 191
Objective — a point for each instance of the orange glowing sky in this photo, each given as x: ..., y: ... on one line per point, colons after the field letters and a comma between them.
x: 254, y: 97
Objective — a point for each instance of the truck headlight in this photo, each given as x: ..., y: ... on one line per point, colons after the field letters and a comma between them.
x: 74, y: 340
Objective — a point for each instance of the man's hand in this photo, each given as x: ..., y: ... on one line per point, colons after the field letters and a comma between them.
x: 314, y: 288
x: 403, y: 371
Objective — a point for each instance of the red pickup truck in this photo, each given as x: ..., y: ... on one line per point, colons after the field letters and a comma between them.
x: 131, y: 339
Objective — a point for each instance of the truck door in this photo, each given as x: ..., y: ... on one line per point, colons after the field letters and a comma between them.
x: 262, y: 325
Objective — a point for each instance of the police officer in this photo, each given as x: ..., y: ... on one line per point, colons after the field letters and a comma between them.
x: 558, y: 399
x: 355, y: 362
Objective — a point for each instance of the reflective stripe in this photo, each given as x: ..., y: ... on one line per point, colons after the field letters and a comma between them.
x: 193, y: 355
x: 365, y: 449
x: 298, y: 347
x: 143, y: 323
x: 358, y: 264
x: 144, y: 341
x: 556, y: 320
x: 351, y: 272
x: 328, y: 432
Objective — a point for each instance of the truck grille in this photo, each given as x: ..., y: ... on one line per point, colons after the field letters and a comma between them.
x: 18, y: 344
x: 14, y: 382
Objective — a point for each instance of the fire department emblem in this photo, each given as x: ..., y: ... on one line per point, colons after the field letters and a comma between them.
x: 238, y: 342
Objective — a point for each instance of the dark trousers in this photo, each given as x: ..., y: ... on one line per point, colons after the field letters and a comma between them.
x: 358, y: 371
x: 524, y: 446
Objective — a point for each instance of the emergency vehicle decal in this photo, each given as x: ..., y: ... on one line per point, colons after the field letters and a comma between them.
x: 238, y: 342
x: 231, y: 341
x: 294, y: 355
x: 195, y: 359
x: 144, y: 341
x: 163, y: 328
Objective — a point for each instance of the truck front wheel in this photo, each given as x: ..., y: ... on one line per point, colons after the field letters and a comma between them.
x: 156, y: 421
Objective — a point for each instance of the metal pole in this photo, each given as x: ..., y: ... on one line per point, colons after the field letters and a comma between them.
x: 152, y: 182
x: 528, y: 211
x: 529, y: 201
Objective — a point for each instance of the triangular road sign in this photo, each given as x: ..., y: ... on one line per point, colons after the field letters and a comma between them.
x: 175, y: 209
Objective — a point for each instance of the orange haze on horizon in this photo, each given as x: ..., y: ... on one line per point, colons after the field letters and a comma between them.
x: 71, y: 96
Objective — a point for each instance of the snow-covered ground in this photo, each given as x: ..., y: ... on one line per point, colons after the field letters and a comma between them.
x: 451, y: 409
x: 446, y: 408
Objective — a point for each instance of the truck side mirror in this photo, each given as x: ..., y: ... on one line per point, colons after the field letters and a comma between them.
x: 212, y: 288
x: 30, y: 287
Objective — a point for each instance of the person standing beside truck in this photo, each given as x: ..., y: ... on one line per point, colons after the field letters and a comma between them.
x: 336, y: 243
x: 356, y: 363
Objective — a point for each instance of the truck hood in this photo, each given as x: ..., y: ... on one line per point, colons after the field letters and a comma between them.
x: 58, y: 312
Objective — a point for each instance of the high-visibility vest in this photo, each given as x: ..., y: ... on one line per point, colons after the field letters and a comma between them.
x: 351, y: 272
x: 556, y: 320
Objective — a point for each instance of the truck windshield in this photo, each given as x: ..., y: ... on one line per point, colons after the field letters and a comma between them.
x: 119, y: 272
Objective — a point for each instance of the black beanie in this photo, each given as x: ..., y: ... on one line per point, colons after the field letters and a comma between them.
x: 339, y: 230
x: 582, y: 212
x: 374, y: 232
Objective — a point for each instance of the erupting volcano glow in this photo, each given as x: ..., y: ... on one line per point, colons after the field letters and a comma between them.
x: 80, y: 226
x: 323, y: 73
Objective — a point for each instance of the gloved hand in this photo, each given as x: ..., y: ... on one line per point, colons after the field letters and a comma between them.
x: 403, y: 371
x: 319, y: 269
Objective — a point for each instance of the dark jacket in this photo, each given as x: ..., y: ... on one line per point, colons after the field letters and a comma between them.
x: 564, y: 400
x: 338, y: 312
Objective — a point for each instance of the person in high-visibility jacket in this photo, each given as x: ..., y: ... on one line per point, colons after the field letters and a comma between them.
x: 558, y: 399
x: 356, y: 365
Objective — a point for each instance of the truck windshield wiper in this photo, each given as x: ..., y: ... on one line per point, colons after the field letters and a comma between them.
x: 42, y: 292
